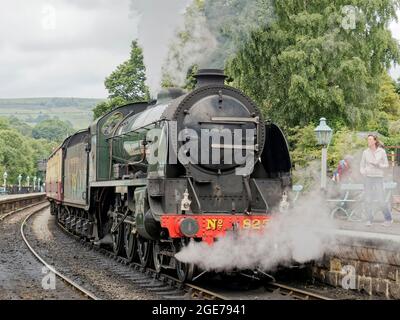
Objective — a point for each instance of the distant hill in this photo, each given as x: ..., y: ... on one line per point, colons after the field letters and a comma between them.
x: 77, y: 111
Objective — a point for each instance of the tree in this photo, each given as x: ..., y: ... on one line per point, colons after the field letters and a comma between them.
x: 311, y: 61
x: 20, y: 126
x: 107, y: 105
x: 128, y: 80
x: 52, y: 130
x: 388, y: 100
x: 386, y: 109
x: 126, y: 84
x: 16, y: 154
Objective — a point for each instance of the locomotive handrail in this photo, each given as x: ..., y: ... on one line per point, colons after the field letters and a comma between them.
x: 195, y: 195
x: 235, y: 119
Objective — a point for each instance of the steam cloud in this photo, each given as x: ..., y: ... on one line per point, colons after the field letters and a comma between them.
x: 295, y: 236
x: 215, y: 34
x: 212, y: 34
x: 158, y: 20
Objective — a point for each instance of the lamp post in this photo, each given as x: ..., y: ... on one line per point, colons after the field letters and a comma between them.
x: 19, y: 182
x: 34, y: 183
x: 324, y: 135
x: 5, y: 175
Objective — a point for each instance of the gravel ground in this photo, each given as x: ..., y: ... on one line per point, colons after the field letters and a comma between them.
x: 20, y: 273
x: 104, y: 277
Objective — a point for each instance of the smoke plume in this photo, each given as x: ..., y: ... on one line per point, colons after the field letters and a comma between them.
x: 294, y: 236
x: 177, y: 34
x: 158, y: 20
x: 213, y: 31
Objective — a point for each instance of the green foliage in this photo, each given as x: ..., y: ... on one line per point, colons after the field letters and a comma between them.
x: 306, y: 154
x: 128, y: 80
x: 32, y: 111
x: 306, y: 65
x: 126, y: 83
x: 20, y: 126
x: 106, y: 106
x: 52, y: 130
x: 19, y: 153
x: 16, y: 155
x: 387, y: 108
x: 344, y: 142
x: 190, y: 77
x: 303, y: 145
x: 388, y: 100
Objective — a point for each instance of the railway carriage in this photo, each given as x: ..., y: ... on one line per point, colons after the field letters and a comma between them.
x: 146, y: 178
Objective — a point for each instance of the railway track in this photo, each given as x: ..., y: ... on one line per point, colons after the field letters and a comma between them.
x: 24, y: 282
x: 64, y: 278
x: 297, y: 293
x: 166, y: 283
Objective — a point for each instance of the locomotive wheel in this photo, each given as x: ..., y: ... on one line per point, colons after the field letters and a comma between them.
x: 185, y: 271
x: 143, y: 250
x: 118, y: 240
x: 157, y: 256
x: 130, y: 243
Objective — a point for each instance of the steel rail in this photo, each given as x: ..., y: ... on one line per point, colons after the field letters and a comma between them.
x: 296, y: 293
x: 196, y: 292
x: 64, y: 278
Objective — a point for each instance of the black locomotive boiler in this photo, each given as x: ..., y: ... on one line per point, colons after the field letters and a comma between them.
x: 146, y: 178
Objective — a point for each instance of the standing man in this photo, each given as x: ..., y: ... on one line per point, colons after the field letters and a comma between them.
x: 373, y: 161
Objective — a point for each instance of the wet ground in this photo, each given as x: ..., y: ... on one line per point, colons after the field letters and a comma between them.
x: 104, y: 277
x: 20, y: 273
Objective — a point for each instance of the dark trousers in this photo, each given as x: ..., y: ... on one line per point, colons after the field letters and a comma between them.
x: 375, y: 198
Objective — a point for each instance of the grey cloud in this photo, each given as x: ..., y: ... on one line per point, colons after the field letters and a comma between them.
x: 89, y: 40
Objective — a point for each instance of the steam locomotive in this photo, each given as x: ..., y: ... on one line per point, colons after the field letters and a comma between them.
x: 147, y: 178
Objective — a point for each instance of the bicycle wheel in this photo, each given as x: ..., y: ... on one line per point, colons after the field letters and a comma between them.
x: 339, y: 213
x: 358, y: 213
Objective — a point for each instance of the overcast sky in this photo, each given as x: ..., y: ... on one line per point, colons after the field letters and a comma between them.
x: 67, y: 47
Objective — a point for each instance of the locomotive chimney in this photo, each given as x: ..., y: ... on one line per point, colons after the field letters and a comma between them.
x: 206, y: 77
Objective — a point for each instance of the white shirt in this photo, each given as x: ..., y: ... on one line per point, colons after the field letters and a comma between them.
x: 373, y: 162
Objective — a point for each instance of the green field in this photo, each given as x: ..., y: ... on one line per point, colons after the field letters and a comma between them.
x: 77, y: 111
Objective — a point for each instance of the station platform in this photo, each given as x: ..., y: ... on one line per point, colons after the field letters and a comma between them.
x: 370, y: 255
x: 17, y: 196
x: 377, y: 235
